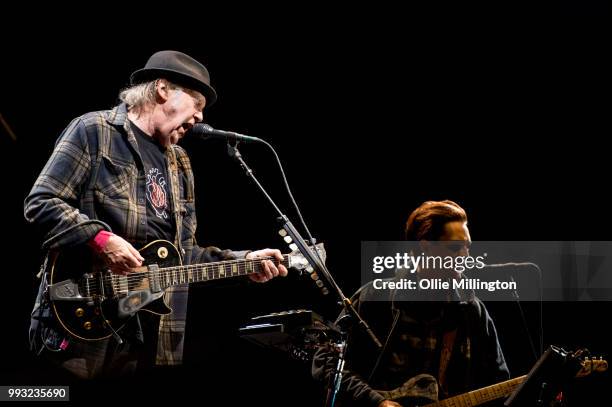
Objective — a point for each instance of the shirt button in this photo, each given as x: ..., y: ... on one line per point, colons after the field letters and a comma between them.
x: 140, y: 200
x: 142, y: 222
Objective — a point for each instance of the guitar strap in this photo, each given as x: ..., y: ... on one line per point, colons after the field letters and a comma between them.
x: 448, y: 342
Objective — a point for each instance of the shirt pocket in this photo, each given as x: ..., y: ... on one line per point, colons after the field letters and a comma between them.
x: 116, y: 179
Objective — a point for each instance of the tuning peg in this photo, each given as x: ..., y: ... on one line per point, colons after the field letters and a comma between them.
x: 325, y: 291
x: 319, y: 283
x: 293, y: 246
x: 282, y: 232
x: 314, y: 276
x: 309, y: 269
x: 287, y: 239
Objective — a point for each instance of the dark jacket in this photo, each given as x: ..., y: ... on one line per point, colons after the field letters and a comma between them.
x: 413, y: 332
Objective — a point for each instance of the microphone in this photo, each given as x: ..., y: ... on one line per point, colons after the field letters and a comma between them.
x: 207, y: 132
x: 514, y: 266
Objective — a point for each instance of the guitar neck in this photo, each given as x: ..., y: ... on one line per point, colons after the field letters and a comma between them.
x: 480, y: 396
x: 169, y: 276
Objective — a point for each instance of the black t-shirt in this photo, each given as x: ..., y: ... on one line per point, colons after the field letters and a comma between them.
x: 160, y: 222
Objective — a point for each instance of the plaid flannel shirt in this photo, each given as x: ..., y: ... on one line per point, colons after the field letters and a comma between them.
x: 96, y: 172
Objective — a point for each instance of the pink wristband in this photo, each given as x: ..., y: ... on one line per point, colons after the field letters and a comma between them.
x: 99, y: 241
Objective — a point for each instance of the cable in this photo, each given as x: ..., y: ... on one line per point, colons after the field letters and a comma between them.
x: 541, y: 313
x: 115, y: 334
x: 541, y: 308
x: 384, y: 348
x: 396, y: 314
x: 525, y: 325
x: 295, y: 205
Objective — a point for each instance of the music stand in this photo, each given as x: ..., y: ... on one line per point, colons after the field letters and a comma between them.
x: 551, y: 373
x: 298, y: 332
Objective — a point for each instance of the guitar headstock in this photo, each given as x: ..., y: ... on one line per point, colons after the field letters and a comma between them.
x: 297, y: 260
x: 589, y: 364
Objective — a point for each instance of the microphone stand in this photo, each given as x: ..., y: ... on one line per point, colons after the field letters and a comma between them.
x: 315, y: 261
x: 335, y: 380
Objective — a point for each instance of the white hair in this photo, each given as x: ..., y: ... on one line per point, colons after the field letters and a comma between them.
x: 136, y: 97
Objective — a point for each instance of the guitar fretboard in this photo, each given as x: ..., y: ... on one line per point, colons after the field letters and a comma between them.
x: 170, y: 276
x: 480, y: 396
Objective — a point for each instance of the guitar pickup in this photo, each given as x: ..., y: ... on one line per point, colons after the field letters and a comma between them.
x: 154, y: 284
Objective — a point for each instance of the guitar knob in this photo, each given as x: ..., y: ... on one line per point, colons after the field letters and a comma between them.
x: 293, y: 246
x: 282, y: 232
x: 162, y: 252
x: 87, y: 325
x: 79, y: 312
x: 287, y: 239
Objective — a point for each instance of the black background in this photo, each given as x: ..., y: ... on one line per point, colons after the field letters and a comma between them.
x: 503, y: 110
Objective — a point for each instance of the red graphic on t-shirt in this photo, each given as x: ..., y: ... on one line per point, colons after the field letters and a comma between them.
x: 156, y: 192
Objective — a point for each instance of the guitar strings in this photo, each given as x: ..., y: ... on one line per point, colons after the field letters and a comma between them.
x: 166, y: 274
x: 241, y: 264
x: 123, y: 283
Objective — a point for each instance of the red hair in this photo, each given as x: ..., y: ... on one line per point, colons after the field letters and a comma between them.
x: 427, y: 221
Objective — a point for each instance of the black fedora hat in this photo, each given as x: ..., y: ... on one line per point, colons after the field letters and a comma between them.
x: 178, y: 68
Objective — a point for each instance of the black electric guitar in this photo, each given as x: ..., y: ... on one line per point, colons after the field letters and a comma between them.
x: 422, y: 390
x: 90, y: 302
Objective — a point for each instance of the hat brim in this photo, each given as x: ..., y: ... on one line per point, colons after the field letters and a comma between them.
x: 145, y: 75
